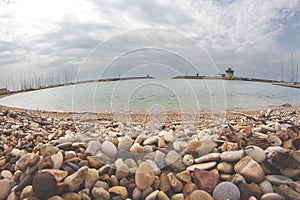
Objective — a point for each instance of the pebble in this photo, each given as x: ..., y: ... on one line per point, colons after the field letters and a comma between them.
x: 100, y: 193
x: 177, y: 145
x: 250, y: 190
x: 225, y: 167
x: 122, y: 171
x: 267, y: 128
x: 47, y: 150
x: 150, y: 140
x: 238, y: 179
x: 71, y: 196
x: 5, y: 188
x: 26, y: 192
x: 278, y: 179
x: 200, y: 194
x: 226, y: 190
x: 44, y: 185
x: 207, y: 165
x: 290, y: 172
x: 257, y: 153
x: 232, y: 156
x: 136, y: 148
x: 162, y: 196
x: 119, y: 190
x: 57, y: 160
x: 153, y: 195
x: 56, y: 197
x: 21, y: 163
x: 58, y: 174
x: 272, y: 196
x: 125, y: 143
x: 144, y: 176
x: 93, y: 147
x: 109, y: 148
x: 250, y: 169
x: 188, y: 160
x: 168, y: 137
x: 177, y: 197
x: 75, y: 179
x: 165, y: 184
x: 159, y: 159
x: 91, y: 178
x: 6, y: 174
x: 205, y: 180
x: 266, y: 187
x: 184, y: 176
x: 208, y: 157
x: 175, y: 162
x: 136, y: 194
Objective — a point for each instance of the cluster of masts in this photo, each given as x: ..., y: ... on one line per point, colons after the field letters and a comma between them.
x: 31, y: 82
x: 294, y: 78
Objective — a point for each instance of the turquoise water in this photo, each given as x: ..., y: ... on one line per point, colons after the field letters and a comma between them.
x: 157, y: 95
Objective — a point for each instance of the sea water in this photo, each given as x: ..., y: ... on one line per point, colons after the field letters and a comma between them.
x: 157, y: 95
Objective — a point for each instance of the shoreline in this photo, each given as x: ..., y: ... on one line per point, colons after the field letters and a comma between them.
x: 144, y: 117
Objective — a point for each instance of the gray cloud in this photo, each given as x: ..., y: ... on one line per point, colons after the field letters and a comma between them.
x: 241, y: 34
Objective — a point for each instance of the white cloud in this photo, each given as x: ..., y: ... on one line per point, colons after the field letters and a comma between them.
x: 47, y: 34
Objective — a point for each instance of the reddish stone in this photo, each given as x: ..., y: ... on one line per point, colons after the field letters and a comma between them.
x: 205, y: 180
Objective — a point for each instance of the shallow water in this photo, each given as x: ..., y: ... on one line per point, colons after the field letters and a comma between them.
x: 157, y: 95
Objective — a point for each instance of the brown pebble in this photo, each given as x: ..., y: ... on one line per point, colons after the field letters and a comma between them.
x: 162, y: 196
x: 250, y: 169
x: 44, y: 185
x: 71, y: 196
x: 144, y: 176
x: 248, y: 190
x: 119, y: 190
x: 200, y: 194
x: 205, y: 180
x: 189, y: 188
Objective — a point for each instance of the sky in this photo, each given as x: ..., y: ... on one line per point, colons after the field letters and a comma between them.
x: 89, y: 39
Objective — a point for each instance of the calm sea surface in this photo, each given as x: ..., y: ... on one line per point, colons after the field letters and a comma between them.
x: 157, y: 95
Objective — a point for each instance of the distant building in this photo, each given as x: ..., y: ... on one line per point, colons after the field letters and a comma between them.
x: 3, y: 91
x: 229, y: 73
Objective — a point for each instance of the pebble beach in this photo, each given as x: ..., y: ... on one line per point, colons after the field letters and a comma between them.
x: 251, y: 155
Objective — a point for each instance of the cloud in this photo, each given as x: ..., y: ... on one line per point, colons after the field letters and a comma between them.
x: 55, y: 36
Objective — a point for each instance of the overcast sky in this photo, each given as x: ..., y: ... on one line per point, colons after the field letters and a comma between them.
x: 96, y: 38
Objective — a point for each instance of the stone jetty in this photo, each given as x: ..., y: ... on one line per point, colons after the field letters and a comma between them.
x: 248, y: 156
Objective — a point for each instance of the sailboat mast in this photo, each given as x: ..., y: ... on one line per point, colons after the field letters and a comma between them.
x: 292, y: 79
x: 281, y: 73
x: 297, y: 74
